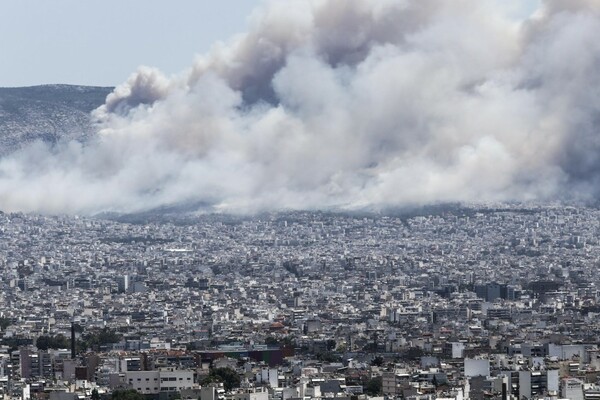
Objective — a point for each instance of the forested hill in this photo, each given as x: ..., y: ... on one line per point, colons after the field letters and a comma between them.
x: 47, y: 112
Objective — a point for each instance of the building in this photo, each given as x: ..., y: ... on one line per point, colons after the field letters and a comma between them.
x: 572, y: 389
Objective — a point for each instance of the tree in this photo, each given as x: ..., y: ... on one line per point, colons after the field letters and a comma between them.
x: 329, y: 357
x: 373, y: 387
x: 285, y: 341
x: 377, y: 361
x: 414, y: 353
x: 270, y: 340
x: 227, y: 376
x: 331, y: 345
x: 52, y: 342
x: 14, y: 342
x: 4, y: 323
x: 98, y: 338
x: 129, y: 394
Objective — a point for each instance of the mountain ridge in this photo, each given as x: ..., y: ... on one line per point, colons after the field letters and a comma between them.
x: 47, y: 113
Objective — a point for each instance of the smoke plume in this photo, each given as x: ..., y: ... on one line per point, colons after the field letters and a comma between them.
x: 345, y: 104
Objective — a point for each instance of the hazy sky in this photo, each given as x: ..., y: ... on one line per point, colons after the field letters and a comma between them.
x: 96, y: 42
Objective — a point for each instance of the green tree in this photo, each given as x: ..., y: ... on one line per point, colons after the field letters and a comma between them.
x: 97, y: 338
x: 45, y: 342
x: 285, y: 341
x: 14, y: 342
x: 227, y: 376
x: 270, y: 340
x: 129, y: 394
x: 414, y: 353
x: 329, y: 356
x: 377, y: 361
x: 331, y: 345
x: 4, y: 323
x: 373, y: 387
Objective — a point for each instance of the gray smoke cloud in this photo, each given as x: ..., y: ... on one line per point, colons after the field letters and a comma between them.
x: 345, y: 104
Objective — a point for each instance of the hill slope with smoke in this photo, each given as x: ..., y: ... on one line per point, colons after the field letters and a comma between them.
x: 49, y: 113
x: 346, y: 104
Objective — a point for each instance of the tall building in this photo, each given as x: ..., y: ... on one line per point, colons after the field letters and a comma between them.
x: 492, y: 291
x: 537, y: 383
x: 123, y: 283
x: 572, y: 389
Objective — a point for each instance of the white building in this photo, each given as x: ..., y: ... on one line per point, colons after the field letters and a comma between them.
x: 572, y: 389
x: 164, y: 380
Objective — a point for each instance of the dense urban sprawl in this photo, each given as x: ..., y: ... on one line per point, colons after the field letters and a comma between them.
x: 450, y: 302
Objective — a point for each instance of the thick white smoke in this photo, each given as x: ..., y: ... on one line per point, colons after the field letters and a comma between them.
x: 346, y: 104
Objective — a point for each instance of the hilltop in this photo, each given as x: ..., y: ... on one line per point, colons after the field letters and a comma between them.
x: 47, y: 113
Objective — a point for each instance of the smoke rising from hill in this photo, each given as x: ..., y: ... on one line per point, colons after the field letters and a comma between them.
x: 346, y: 104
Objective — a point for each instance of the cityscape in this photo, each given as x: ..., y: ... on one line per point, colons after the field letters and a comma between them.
x: 300, y: 200
x: 496, y: 301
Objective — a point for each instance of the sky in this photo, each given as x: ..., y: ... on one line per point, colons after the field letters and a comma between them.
x: 101, y: 43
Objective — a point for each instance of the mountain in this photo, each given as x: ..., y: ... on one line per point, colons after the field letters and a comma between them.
x: 47, y: 113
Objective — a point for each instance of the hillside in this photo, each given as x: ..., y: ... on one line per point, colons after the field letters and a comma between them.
x: 47, y: 113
